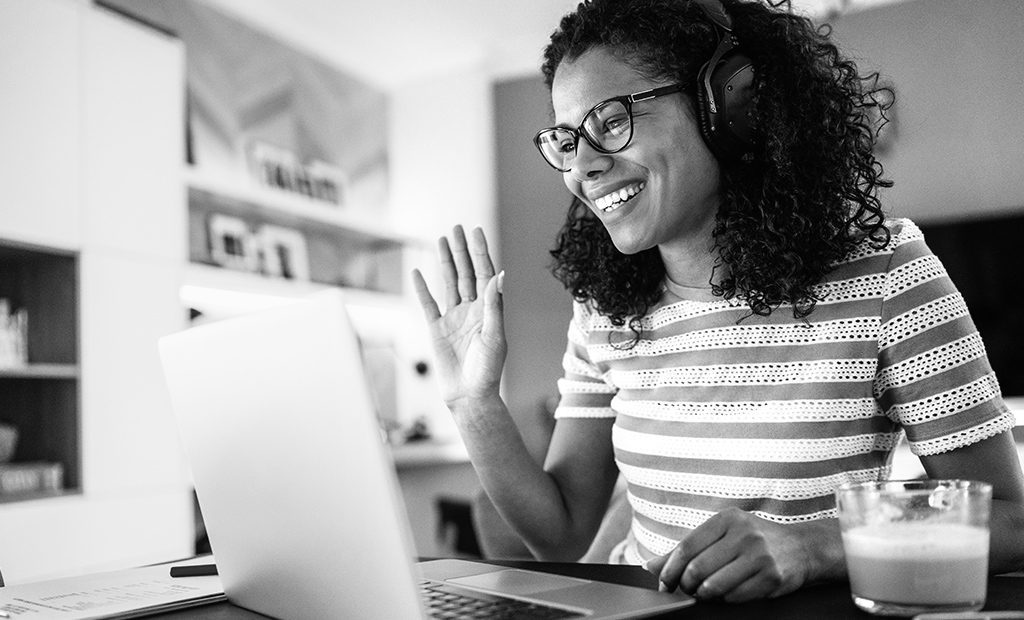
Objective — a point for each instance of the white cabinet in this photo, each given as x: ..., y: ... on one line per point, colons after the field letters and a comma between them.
x: 133, y: 137
x: 40, y: 164
x: 95, y: 106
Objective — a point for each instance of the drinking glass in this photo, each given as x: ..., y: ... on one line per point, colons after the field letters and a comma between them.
x: 916, y: 546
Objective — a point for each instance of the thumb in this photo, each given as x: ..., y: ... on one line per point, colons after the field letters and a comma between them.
x: 654, y: 565
x: 494, y: 324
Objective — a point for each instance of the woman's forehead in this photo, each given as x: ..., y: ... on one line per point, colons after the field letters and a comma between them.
x: 594, y: 76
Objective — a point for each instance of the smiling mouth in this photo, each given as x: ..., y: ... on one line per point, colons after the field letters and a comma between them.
x: 619, y: 197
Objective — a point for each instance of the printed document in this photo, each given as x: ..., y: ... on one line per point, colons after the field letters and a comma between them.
x: 118, y: 594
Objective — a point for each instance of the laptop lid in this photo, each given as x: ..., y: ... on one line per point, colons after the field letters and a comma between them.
x: 298, y: 490
x: 295, y: 484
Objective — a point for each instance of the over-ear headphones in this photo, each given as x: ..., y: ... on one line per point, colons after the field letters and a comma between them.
x: 725, y: 92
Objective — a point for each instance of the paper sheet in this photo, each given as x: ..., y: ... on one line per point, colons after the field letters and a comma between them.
x: 117, y: 594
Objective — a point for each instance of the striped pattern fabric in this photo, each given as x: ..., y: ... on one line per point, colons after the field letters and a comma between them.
x: 771, y: 414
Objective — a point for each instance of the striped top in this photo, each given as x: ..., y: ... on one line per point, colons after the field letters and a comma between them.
x: 771, y: 414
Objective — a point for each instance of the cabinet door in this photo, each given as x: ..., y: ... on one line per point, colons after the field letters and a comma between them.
x: 133, y: 137
x: 39, y: 122
x: 133, y: 249
x: 129, y: 439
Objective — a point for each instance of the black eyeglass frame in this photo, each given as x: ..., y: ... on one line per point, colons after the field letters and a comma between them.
x: 627, y: 102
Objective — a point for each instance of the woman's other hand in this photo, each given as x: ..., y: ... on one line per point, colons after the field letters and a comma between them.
x: 469, y: 337
x: 736, y: 556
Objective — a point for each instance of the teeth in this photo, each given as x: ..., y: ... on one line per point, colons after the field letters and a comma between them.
x: 612, y: 201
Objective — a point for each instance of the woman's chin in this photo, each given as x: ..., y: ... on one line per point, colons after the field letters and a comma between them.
x: 629, y: 245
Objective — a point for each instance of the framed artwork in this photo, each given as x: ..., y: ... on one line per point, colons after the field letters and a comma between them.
x: 284, y: 252
x: 322, y: 130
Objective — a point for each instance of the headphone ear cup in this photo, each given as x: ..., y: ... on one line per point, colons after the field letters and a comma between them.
x: 729, y: 131
x: 704, y: 113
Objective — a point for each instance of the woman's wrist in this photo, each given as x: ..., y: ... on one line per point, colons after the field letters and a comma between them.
x: 823, y: 548
x: 478, y: 409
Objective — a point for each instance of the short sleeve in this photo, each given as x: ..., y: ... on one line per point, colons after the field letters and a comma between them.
x: 934, y: 377
x: 583, y: 389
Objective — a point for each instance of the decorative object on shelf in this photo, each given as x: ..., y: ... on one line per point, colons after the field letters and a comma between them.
x: 232, y: 244
x: 37, y: 477
x: 268, y: 249
x: 13, y: 336
x: 281, y: 169
x: 283, y: 252
x: 8, y: 442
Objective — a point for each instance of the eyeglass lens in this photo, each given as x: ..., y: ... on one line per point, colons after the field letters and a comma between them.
x: 608, y: 128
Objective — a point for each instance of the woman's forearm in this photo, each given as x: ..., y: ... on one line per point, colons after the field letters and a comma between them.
x: 1006, y: 525
x: 527, y: 497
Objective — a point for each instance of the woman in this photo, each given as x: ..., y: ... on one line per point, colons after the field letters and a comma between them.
x: 749, y: 331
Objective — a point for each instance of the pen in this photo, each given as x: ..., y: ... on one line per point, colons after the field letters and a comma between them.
x: 193, y: 570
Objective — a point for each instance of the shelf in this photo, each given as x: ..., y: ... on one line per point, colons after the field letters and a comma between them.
x: 28, y: 497
x: 236, y: 232
x: 224, y: 292
x: 41, y: 399
x: 40, y: 371
x: 294, y: 207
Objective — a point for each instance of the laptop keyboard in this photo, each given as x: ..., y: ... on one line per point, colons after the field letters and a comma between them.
x: 444, y: 600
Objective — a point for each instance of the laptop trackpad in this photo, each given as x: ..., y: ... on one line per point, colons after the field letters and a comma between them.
x: 513, y: 581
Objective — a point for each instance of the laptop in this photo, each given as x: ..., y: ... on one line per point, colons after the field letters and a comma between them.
x: 298, y: 490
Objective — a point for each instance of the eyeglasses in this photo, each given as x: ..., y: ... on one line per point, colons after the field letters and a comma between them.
x: 608, y: 127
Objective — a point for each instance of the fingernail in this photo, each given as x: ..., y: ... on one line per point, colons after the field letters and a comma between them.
x: 643, y: 565
x: 501, y: 281
x: 663, y: 587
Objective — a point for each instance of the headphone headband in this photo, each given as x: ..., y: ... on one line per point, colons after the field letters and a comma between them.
x: 715, y: 12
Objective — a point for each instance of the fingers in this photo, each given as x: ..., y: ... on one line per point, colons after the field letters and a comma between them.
x: 466, y: 266
x: 448, y: 273
x: 493, y: 326
x: 677, y: 565
x: 734, y: 556
x: 654, y: 565
x: 752, y: 584
x: 481, y: 258
x: 430, y: 309
x: 709, y: 563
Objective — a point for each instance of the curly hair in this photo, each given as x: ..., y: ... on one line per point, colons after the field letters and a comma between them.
x: 785, y: 218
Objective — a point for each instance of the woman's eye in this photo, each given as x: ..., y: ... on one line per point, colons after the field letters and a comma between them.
x: 616, y: 125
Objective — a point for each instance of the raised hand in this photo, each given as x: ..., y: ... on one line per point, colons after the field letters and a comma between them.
x: 469, y: 337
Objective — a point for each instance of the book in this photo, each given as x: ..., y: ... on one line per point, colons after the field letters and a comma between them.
x: 30, y: 477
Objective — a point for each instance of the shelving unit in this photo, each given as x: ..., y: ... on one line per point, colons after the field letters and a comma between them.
x: 41, y: 371
x: 363, y: 257
x: 92, y: 234
x: 340, y: 249
x: 286, y: 205
x: 41, y: 399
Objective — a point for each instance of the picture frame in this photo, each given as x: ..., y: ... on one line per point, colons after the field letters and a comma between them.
x: 232, y: 244
x: 281, y: 169
x: 284, y: 252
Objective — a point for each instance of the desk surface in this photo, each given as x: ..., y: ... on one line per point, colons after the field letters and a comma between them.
x: 822, y: 601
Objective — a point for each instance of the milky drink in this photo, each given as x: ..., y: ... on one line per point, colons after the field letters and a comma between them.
x: 918, y: 563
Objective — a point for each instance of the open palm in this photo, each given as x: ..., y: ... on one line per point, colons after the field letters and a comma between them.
x: 468, y: 338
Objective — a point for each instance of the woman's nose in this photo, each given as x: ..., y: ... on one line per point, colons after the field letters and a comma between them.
x: 589, y: 162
